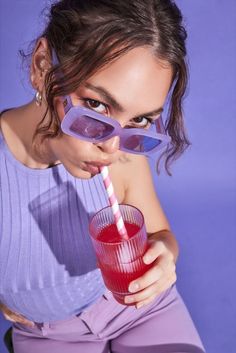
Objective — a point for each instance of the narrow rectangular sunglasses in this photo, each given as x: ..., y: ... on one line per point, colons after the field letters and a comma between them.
x: 88, y: 125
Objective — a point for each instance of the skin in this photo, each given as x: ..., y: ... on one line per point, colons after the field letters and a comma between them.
x: 147, y: 82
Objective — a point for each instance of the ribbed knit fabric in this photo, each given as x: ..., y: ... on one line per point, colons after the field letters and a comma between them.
x: 47, y: 264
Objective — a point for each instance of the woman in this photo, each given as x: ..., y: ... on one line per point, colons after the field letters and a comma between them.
x: 116, y: 62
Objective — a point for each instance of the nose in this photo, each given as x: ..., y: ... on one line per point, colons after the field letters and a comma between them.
x: 110, y: 146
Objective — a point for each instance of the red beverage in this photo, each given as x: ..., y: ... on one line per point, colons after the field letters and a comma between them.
x: 118, y: 278
x: 110, y: 234
x: 120, y: 260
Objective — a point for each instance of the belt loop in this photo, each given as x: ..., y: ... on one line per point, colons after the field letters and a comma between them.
x: 45, y: 327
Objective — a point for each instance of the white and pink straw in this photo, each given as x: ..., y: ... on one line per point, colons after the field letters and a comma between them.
x: 114, y: 203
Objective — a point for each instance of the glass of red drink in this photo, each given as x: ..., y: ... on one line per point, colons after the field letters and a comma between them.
x: 120, y: 260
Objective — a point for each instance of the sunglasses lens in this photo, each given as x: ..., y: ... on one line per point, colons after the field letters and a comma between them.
x: 140, y: 143
x: 88, y: 127
x: 95, y: 128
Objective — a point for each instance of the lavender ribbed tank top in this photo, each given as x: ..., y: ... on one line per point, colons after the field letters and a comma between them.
x: 47, y: 264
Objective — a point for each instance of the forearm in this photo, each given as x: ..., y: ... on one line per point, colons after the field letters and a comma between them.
x: 169, y: 239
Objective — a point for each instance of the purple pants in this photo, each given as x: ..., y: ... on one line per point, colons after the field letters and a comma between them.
x: 164, y: 326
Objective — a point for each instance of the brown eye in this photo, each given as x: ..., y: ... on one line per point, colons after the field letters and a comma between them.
x: 139, y: 119
x: 96, y: 106
x: 93, y: 103
x: 142, y: 122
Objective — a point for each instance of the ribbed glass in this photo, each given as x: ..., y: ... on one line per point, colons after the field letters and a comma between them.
x: 121, y: 261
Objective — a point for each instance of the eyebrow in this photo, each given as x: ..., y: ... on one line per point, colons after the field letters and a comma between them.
x: 113, y: 102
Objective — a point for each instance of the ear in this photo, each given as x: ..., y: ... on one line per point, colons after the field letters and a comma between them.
x: 40, y: 64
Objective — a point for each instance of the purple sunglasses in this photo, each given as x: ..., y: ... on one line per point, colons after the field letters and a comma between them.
x: 88, y: 125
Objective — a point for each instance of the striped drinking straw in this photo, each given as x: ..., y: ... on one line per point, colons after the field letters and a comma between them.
x: 114, y: 203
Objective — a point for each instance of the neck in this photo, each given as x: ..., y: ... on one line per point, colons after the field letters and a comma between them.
x: 19, y: 126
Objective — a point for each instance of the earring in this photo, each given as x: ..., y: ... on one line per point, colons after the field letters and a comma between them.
x: 38, y: 98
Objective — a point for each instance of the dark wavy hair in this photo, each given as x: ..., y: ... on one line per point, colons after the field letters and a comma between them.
x: 88, y: 34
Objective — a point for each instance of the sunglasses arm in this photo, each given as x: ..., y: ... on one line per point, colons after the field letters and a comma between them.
x: 66, y: 99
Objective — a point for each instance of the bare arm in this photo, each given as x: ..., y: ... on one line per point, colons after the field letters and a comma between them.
x: 140, y: 192
x: 163, y: 251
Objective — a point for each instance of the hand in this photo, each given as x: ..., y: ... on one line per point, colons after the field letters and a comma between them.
x: 158, y: 278
x: 15, y: 317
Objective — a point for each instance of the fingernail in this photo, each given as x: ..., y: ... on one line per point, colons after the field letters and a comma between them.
x: 139, y: 305
x: 129, y: 300
x: 147, y: 259
x: 133, y: 287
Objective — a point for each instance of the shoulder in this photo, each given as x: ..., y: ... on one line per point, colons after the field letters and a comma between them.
x: 133, y: 168
x: 5, y: 121
x: 135, y: 180
x: 4, y: 113
x: 129, y: 169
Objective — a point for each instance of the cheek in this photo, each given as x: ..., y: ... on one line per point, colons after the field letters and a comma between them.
x: 74, y: 156
x: 76, y: 149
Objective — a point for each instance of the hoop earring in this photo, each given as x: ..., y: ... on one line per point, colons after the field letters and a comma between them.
x: 38, y: 98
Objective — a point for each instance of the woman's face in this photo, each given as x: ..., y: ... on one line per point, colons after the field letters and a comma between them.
x: 131, y: 90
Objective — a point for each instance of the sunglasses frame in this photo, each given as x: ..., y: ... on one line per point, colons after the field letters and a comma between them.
x: 74, y: 112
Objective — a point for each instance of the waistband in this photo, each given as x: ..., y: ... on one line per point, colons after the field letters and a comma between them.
x: 105, y: 319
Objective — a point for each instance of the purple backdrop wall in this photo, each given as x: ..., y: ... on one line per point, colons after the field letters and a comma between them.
x: 200, y: 198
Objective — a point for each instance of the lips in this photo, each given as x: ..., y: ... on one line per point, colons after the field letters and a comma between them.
x: 94, y: 167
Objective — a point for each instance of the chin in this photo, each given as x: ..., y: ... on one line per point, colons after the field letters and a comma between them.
x: 81, y: 174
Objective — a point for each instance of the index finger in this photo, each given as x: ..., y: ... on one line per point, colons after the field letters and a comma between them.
x: 155, y: 250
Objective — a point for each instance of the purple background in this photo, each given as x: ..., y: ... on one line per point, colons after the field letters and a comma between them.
x: 200, y: 198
